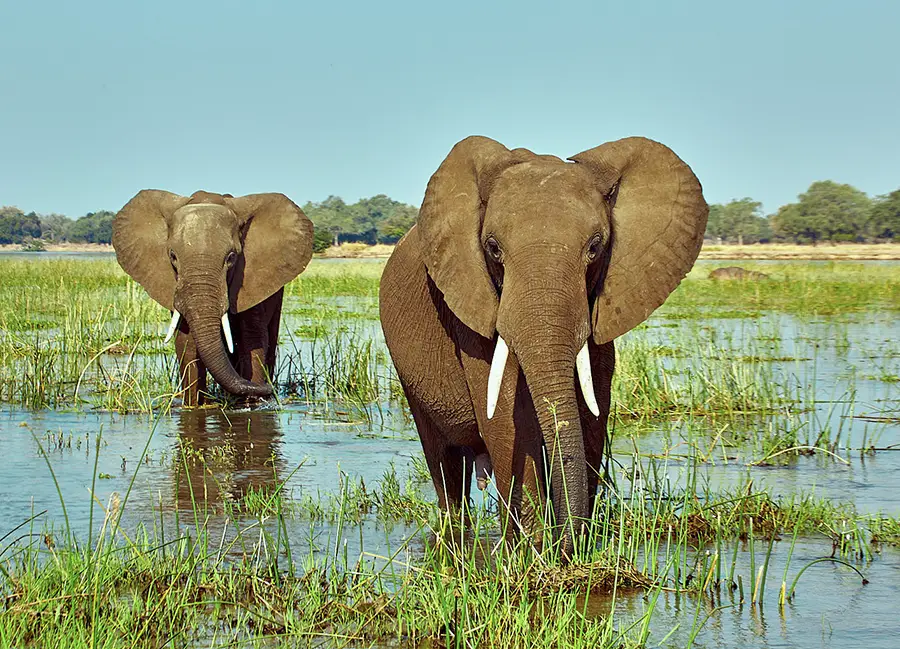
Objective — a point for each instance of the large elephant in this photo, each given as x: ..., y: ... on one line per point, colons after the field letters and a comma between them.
x: 219, y: 263
x: 509, y: 290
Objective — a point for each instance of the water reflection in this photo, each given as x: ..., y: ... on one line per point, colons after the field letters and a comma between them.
x: 224, y: 456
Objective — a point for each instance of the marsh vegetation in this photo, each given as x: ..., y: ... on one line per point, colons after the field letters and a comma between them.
x: 749, y: 498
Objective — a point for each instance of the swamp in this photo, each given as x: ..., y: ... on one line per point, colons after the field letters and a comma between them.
x: 750, y: 500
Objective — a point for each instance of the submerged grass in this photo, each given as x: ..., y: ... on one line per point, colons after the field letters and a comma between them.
x: 237, y: 579
x: 82, y: 334
x: 226, y: 568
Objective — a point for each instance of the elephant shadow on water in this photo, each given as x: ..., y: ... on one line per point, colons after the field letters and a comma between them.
x: 223, y: 458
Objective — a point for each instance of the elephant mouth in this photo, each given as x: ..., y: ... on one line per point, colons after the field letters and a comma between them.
x: 498, y: 366
x: 226, y: 330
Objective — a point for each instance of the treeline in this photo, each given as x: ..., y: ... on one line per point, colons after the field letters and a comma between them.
x: 827, y: 211
x: 18, y: 227
x: 378, y: 219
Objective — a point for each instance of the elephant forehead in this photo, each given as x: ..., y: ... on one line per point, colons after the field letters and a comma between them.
x: 546, y: 185
x: 206, y: 221
x: 545, y: 200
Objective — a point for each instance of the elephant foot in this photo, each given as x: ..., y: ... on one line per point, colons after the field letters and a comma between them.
x: 483, y: 470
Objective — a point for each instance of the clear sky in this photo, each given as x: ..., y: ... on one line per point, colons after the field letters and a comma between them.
x: 101, y: 99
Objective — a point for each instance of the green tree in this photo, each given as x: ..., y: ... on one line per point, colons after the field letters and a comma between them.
x: 16, y: 226
x: 55, y: 227
x: 93, y: 227
x: 884, y: 219
x: 370, y: 220
x: 398, y: 223
x: 826, y: 211
x: 331, y: 215
x: 384, y: 219
x: 740, y: 221
x: 321, y: 240
x: 790, y: 223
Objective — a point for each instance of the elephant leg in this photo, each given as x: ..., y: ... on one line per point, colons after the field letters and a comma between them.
x: 191, y: 368
x: 274, y: 327
x: 251, y: 344
x: 512, y: 441
x: 516, y: 447
x: 257, y: 338
x: 595, y: 428
x: 451, y: 466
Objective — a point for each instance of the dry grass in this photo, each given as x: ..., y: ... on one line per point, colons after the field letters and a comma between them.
x: 357, y: 250
x: 827, y: 251
x: 824, y: 251
x: 64, y: 246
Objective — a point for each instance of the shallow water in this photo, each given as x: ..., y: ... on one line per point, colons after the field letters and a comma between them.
x: 321, y: 448
x: 15, y: 254
x: 831, y: 607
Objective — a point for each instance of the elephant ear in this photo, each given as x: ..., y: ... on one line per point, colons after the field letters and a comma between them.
x: 140, y: 239
x: 277, y: 246
x: 449, y: 226
x: 658, y: 220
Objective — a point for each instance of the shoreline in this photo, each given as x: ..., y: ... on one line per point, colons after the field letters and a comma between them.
x: 750, y: 252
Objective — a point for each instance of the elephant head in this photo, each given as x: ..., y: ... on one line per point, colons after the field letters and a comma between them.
x: 542, y: 254
x: 207, y: 254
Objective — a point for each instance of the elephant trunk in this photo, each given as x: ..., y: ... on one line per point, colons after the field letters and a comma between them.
x: 545, y: 322
x: 202, y: 307
x: 553, y: 389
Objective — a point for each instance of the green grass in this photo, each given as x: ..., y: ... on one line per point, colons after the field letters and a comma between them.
x: 82, y: 334
x: 166, y: 584
x: 830, y: 288
x: 231, y: 570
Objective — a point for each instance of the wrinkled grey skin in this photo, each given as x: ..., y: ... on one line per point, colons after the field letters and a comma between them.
x: 211, y: 254
x: 555, y: 258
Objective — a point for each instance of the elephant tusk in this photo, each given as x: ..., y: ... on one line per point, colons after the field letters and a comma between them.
x: 498, y: 365
x: 583, y: 367
x: 226, y: 329
x: 172, y: 326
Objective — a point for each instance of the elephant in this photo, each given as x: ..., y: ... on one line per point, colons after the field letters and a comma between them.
x: 736, y: 272
x: 500, y: 306
x: 219, y: 263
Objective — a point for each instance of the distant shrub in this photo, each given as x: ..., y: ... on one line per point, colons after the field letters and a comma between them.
x: 33, y: 245
x: 322, y: 240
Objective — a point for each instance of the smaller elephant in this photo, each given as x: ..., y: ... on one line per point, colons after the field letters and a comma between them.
x: 736, y: 272
x: 219, y: 263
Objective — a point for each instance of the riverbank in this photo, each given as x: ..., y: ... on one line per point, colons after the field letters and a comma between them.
x: 60, y: 247
x: 786, y: 251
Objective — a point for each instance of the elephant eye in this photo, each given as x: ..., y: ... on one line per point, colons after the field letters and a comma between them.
x: 493, y: 248
x: 173, y: 259
x: 594, y: 246
x: 231, y: 258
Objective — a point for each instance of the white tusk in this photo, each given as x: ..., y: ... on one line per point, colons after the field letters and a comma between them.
x: 226, y: 328
x: 172, y: 326
x: 583, y: 366
x: 501, y: 352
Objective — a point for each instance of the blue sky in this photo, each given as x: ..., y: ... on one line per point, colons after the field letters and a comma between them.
x: 102, y: 99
